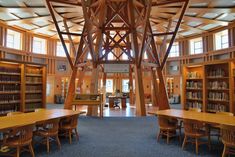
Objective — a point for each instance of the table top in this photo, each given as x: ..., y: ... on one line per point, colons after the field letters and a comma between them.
x: 7, y: 122
x: 210, y: 118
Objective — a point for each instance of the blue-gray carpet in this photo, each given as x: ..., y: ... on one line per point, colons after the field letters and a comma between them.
x: 122, y: 137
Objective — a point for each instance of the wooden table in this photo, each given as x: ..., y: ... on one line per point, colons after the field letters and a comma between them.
x: 209, y: 118
x: 7, y: 122
x: 112, y: 98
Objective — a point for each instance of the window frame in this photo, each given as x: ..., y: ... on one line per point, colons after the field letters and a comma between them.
x: 43, y: 44
x: 61, y: 46
x: 193, y: 47
x: 17, y: 36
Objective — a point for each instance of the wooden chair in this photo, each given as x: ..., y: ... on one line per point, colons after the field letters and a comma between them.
x: 215, y: 129
x: 49, y: 131
x: 19, y: 138
x: 68, y: 125
x: 13, y: 113
x: 168, y: 127
x: 195, y: 130
x: 228, y: 139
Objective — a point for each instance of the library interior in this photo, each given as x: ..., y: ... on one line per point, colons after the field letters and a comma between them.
x: 117, y: 78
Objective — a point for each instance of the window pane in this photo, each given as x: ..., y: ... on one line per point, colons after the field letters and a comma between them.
x: 196, y: 46
x: 109, y: 85
x: 60, y: 49
x: 125, y: 85
x: 13, y: 39
x: 39, y: 45
x: 221, y: 40
x: 174, y: 52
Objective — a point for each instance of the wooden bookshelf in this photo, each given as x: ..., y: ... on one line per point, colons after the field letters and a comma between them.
x: 22, y: 86
x: 217, y: 87
x: 193, y: 81
x: 215, y: 81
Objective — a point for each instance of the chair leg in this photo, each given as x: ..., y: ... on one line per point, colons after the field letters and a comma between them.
x: 18, y: 151
x: 159, y: 134
x: 31, y: 149
x: 185, y: 141
x: 224, y: 151
x: 180, y: 134
x: 196, y: 145
x: 48, y: 145
x: 76, y: 132
x: 58, y: 142
x: 209, y: 142
x: 70, y: 137
x: 168, y: 136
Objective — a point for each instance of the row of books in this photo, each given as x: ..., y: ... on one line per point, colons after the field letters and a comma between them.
x: 33, y: 79
x: 9, y: 98
x: 193, y: 74
x: 4, y: 109
x: 194, y: 85
x: 33, y: 96
x: 216, y: 107
x: 9, y: 70
x: 33, y: 71
x: 194, y: 95
x: 218, y: 85
x: 9, y: 78
x: 9, y: 87
x: 219, y: 96
x: 218, y: 72
x: 194, y: 104
x: 34, y: 88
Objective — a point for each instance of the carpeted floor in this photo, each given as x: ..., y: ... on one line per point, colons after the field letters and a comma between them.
x: 122, y: 137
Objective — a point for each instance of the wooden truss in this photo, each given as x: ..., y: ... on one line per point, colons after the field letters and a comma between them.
x: 125, y: 25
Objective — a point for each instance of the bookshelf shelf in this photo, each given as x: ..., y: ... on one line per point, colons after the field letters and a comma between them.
x: 21, y: 83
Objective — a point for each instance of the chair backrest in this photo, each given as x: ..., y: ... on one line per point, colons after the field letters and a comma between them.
x: 164, y: 121
x: 192, y: 126
x: 228, y: 134
x: 39, y: 109
x: 51, y: 126
x: 225, y: 113
x: 24, y: 133
x: 195, y: 109
x: 71, y: 121
x: 13, y: 113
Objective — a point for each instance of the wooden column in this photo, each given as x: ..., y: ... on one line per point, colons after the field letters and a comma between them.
x: 139, y: 90
x: 131, y: 93
x: 162, y: 94
x: 93, y: 110
x: 71, y: 89
x: 104, y: 87
x: 154, y: 90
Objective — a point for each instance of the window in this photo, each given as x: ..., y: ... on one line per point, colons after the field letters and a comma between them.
x: 145, y: 55
x: 109, y: 85
x: 196, y: 46
x: 60, y: 49
x: 221, y: 40
x: 13, y: 39
x: 39, y: 45
x: 125, y: 85
x: 174, y: 52
x: 110, y: 56
x: 124, y: 56
x: 89, y: 56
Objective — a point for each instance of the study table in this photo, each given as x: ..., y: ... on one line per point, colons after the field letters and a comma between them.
x: 209, y: 118
x: 7, y: 122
